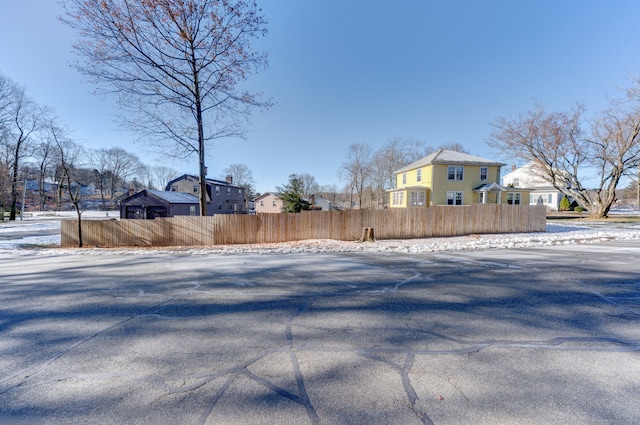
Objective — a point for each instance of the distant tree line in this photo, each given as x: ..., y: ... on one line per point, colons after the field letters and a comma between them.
x: 35, y: 146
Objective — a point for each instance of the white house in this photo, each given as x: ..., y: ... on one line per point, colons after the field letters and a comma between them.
x: 319, y: 203
x: 542, y: 191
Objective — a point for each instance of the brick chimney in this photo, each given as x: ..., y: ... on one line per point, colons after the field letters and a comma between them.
x: 229, y: 179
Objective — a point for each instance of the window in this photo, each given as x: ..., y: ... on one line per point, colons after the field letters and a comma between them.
x: 274, y: 203
x: 219, y: 206
x: 195, y: 188
x: 549, y: 199
x: 484, y: 173
x: 228, y: 191
x: 513, y: 198
x: 404, y: 178
x: 417, y: 198
x: 239, y: 192
x: 174, y: 189
x: 192, y: 210
x: 217, y: 190
x: 262, y: 203
x: 455, y: 173
x: 454, y: 198
x: 419, y: 175
x: 516, y: 182
x: 398, y: 199
x: 482, y: 197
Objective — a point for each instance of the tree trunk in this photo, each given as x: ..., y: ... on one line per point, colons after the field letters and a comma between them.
x: 367, y: 235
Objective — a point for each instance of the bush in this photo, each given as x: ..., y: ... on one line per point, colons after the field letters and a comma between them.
x: 565, y: 205
x: 579, y: 209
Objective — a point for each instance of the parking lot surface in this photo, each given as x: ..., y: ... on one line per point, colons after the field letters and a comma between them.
x: 544, y: 335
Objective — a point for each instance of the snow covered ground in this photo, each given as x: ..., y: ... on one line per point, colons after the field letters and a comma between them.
x: 40, y: 234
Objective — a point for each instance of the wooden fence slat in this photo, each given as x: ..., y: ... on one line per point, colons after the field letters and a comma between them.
x: 340, y: 225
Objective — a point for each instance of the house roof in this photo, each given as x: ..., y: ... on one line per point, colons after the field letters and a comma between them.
x: 173, y: 197
x: 265, y: 195
x: 196, y: 179
x: 495, y: 187
x: 443, y: 156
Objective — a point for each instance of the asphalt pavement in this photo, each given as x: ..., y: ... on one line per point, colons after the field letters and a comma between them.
x: 524, y: 336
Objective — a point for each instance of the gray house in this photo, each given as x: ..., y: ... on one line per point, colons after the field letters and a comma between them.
x: 223, y: 197
x: 150, y: 204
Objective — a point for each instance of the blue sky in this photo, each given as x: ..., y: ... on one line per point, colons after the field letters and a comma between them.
x: 347, y: 71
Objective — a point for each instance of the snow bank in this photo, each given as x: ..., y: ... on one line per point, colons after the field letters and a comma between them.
x: 557, y: 234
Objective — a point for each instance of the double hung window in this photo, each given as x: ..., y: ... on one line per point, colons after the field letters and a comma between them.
x: 454, y: 198
x: 455, y: 173
x: 417, y: 198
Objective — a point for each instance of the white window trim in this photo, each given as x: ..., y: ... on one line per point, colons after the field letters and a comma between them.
x: 417, y: 198
x: 398, y: 199
x: 453, y: 194
x: 458, y: 171
x: 512, y: 197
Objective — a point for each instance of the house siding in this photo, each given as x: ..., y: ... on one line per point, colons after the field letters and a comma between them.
x: 525, y: 177
x: 222, y: 197
x: 268, y: 203
x: 434, y: 178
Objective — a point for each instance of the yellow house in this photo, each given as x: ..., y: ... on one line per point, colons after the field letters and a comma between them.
x: 452, y: 178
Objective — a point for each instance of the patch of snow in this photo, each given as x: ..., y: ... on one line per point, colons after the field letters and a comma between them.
x: 557, y: 234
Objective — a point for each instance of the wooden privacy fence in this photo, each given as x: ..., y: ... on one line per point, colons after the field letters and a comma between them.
x: 224, y: 229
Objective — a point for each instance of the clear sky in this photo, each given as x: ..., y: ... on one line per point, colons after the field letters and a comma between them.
x: 351, y: 71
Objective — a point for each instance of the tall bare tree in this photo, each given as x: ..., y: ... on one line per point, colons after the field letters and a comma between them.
x: 454, y: 146
x: 241, y: 175
x: 395, y: 154
x: 69, y: 155
x: 356, y: 170
x: 44, y: 158
x: 160, y: 175
x: 584, y: 165
x: 309, y: 184
x: 175, y: 66
x: 20, y: 119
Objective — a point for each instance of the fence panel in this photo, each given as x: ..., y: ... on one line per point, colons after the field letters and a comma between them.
x: 224, y: 229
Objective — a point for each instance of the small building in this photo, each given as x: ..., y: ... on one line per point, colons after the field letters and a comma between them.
x: 150, y: 204
x: 268, y: 203
x: 223, y: 197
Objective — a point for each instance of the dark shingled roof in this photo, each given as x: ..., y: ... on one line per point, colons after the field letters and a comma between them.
x: 174, y: 197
